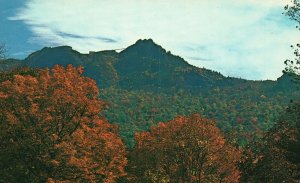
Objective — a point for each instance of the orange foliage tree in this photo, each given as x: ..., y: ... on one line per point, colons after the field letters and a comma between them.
x: 186, y: 149
x: 50, y: 130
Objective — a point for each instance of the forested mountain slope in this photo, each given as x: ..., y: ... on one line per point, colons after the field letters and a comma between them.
x: 145, y: 84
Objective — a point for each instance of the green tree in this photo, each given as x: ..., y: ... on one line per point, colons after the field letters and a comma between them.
x: 293, y: 66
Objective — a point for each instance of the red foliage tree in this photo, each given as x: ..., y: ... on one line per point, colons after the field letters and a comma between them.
x: 186, y: 149
x: 50, y: 130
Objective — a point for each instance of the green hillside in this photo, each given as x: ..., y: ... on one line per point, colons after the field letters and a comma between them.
x: 144, y: 84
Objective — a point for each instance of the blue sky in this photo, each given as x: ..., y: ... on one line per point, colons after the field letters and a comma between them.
x: 15, y: 34
x: 248, y: 39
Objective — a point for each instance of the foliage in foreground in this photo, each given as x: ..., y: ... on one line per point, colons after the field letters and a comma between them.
x: 186, y: 149
x: 50, y: 130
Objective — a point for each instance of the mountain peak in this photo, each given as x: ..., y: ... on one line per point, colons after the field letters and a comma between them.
x: 145, y: 47
x: 145, y: 41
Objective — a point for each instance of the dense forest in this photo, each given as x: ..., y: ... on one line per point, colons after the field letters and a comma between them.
x: 51, y: 131
x: 144, y: 84
x: 144, y: 115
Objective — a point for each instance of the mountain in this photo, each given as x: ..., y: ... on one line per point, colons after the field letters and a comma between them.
x: 144, y: 84
x: 143, y: 65
x: 10, y: 64
x: 147, y: 65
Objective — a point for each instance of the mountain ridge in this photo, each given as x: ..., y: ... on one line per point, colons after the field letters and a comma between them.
x: 143, y: 65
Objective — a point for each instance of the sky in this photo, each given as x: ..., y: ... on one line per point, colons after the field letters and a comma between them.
x: 248, y: 39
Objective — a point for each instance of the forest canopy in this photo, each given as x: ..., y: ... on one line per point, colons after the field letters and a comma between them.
x: 50, y: 130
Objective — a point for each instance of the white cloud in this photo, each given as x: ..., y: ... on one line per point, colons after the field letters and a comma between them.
x: 248, y: 39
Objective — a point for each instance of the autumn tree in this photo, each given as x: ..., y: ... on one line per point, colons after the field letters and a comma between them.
x: 50, y: 130
x: 186, y: 149
x: 275, y: 157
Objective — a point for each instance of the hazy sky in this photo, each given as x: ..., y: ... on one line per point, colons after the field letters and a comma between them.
x: 241, y: 38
